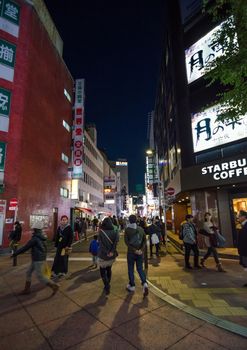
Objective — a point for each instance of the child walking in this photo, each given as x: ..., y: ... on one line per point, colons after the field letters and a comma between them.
x: 93, y: 249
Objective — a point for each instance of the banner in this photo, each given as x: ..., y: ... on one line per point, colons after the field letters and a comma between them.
x: 78, y: 130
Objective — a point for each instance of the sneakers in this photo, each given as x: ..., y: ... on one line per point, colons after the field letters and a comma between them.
x: 145, y: 289
x: 130, y: 288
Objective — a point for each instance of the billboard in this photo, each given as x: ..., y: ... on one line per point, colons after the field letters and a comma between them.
x: 77, y: 172
x: 207, y: 132
x: 200, y: 54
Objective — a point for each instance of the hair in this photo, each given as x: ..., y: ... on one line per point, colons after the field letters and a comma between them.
x: 188, y: 216
x: 64, y: 216
x: 205, y: 215
x: 132, y: 219
x: 95, y: 237
x: 157, y: 218
x: 17, y: 223
x: 107, y: 224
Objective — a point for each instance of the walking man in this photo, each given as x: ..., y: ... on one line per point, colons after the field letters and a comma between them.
x: 189, y: 235
x: 135, y: 239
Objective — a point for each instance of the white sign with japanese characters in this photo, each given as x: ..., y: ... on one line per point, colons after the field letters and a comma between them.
x: 7, y: 60
x: 208, y: 133
x: 200, y: 54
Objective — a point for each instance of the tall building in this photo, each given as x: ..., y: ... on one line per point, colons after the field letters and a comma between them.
x: 36, y: 96
x: 120, y: 167
x: 204, y: 160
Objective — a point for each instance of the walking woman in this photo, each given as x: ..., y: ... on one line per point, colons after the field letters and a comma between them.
x: 108, y: 238
x: 211, y: 242
x: 63, y: 243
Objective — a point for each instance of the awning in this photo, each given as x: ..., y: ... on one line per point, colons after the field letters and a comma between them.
x: 86, y: 210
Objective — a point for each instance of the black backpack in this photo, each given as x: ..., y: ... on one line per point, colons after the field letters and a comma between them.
x: 181, y: 234
x: 136, y: 240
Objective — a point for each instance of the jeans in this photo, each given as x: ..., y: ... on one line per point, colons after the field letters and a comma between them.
x: 105, y: 273
x: 133, y: 258
x: 95, y: 259
x: 38, y: 267
x: 215, y: 254
x: 188, y: 248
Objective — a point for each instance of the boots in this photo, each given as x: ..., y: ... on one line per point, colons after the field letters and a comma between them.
x: 54, y: 287
x: 220, y: 268
x: 27, y: 288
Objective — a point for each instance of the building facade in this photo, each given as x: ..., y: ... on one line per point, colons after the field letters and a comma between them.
x: 36, y: 92
x: 204, y: 160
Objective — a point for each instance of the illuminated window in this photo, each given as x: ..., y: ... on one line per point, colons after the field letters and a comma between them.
x: 67, y: 95
x: 66, y: 125
x: 65, y: 158
x: 64, y: 192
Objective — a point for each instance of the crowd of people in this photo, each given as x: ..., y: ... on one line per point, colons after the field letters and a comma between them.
x: 103, y: 246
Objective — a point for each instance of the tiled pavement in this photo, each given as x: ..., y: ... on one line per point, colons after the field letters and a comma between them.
x: 79, y: 316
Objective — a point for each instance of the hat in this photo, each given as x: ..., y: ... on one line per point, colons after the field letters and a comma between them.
x: 37, y: 225
x: 242, y: 213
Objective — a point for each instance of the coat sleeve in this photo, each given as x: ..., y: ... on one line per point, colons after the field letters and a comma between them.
x: 70, y: 237
x: 26, y: 247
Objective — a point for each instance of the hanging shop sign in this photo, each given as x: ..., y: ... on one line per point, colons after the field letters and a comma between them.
x: 7, y: 60
x: 77, y: 172
x: 2, y: 155
x: 151, y: 170
x: 226, y: 172
x: 9, y: 17
x: 5, y: 97
x: 207, y: 132
x: 200, y: 54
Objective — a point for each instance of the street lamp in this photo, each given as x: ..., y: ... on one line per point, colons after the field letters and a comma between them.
x: 149, y: 152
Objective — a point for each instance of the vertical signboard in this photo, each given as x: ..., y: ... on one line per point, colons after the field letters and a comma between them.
x: 2, y: 218
x: 9, y: 17
x: 2, y: 155
x: 7, y: 60
x: 78, y: 130
x: 5, y: 97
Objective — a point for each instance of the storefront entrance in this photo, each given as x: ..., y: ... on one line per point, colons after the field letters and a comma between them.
x: 238, y: 202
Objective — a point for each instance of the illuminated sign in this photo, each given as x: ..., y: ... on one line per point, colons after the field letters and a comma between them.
x: 9, y: 17
x: 226, y: 170
x: 78, y: 130
x: 7, y: 60
x: 5, y: 97
x: 200, y: 54
x: 122, y: 163
x: 208, y: 133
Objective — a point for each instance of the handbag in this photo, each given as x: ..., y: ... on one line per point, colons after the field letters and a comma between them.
x: 220, y: 240
x: 155, y: 238
x: 47, y: 270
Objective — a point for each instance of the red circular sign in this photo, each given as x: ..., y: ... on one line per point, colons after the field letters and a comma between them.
x: 170, y: 191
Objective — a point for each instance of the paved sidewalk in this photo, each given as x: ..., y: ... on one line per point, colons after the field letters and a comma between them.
x: 80, y: 316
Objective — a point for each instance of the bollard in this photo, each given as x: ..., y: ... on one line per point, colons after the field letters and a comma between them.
x: 15, y: 246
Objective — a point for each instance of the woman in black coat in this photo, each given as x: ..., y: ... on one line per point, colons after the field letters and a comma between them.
x: 63, y: 243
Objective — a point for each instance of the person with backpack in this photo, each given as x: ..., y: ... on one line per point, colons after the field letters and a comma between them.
x: 154, y: 233
x: 135, y: 239
x: 188, y: 233
x: 15, y: 236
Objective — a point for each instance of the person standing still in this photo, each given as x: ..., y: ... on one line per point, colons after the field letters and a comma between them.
x: 63, y: 243
x: 189, y: 234
x: 135, y: 239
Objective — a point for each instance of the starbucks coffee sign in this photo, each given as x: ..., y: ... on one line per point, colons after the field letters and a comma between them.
x: 228, y: 171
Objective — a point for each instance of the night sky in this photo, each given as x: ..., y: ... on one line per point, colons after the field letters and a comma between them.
x: 116, y: 46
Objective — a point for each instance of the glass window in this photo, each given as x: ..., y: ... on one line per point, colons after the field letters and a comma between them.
x: 65, y: 158
x: 66, y: 125
x: 67, y: 95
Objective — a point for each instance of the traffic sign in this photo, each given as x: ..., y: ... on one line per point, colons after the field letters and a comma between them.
x: 13, y: 202
x: 170, y: 191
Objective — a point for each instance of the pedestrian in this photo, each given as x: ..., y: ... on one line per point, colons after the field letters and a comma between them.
x: 64, y: 238
x: 95, y: 223
x: 242, y: 240
x: 38, y: 247
x: 93, y: 249
x: 154, y: 233
x: 15, y: 236
x: 189, y: 235
x: 108, y: 238
x: 84, y: 227
x: 77, y: 229
x: 135, y: 239
x: 210, y: 240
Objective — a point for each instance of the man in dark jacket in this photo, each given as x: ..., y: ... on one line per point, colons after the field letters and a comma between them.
x: 37, y: 244
x: 135, y: 239
x: 242, y: 240
x: 155, y: 231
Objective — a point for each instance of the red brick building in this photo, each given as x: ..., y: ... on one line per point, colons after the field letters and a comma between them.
x: 35, y: 135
